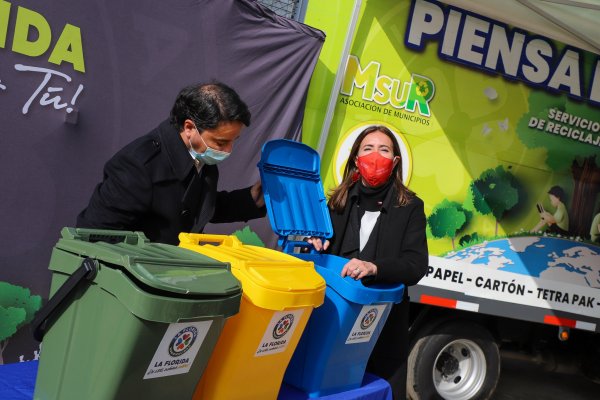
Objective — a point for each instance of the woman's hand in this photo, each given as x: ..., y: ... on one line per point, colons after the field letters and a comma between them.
x: 358, y: 269
x: 318, y: 244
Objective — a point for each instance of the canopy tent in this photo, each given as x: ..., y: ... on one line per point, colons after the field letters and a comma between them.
x: 573, y: 22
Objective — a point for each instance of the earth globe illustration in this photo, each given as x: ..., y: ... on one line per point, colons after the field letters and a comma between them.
x: 550, y: 258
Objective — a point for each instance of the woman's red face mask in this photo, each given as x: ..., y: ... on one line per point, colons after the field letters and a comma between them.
x: 374, y: 168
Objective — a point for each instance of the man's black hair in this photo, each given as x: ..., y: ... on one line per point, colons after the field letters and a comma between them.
x: 208, y: 104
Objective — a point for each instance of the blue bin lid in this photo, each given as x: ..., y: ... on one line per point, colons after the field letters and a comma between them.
x: 291, y: 182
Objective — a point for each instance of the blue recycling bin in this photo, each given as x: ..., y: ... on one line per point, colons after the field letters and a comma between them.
x: 337, y: 342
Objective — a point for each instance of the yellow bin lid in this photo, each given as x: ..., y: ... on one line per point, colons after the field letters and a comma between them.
x: 270, y: 279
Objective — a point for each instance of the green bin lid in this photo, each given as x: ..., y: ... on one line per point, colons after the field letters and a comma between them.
x: 162, y: 267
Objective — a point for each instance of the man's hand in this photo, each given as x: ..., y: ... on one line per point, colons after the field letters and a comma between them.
x: 318, y: 244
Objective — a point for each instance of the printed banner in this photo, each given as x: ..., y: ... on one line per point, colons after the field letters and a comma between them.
x: 561, y: 291
x: 499, y: 133
x: 79, y: 80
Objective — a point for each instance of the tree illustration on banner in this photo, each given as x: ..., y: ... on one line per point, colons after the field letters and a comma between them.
x: 469, y: 239
x: 447, y: 219
x: 495, y: 192
x: 17, y: 308
x: 248, y: 236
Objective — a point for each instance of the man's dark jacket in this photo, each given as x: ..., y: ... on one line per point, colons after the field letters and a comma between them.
x: 152, y: 185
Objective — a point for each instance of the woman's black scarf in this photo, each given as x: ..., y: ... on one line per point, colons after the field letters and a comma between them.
x: 369, y: 199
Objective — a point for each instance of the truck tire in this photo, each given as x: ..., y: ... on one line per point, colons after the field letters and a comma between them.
x: 457, y: 360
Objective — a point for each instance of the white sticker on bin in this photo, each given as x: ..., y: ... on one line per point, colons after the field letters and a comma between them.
x: 366, y: 323
x: 177, y: 349
x: 279, y: 332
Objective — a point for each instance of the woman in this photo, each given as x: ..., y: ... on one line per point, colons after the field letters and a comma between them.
x: 379, y: 224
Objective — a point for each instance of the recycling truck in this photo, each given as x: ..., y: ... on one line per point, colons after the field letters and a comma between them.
x: 499, y: 130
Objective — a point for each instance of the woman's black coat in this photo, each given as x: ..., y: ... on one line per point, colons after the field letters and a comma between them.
x: 400, y: 256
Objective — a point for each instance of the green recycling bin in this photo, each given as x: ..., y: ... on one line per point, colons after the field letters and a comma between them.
x: 129, y: 319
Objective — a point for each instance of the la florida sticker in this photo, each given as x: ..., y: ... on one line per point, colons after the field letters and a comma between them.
x: 177, y: 349
x: 279, y: 332
x: 365, y: 324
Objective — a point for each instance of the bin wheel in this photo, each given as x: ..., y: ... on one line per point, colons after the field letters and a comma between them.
x: 458, y: 360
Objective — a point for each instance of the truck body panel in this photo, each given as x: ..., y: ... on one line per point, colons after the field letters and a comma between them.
x: 494, y: 124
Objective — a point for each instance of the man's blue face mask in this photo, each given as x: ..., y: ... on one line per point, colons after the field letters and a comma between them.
x: 210, y: 156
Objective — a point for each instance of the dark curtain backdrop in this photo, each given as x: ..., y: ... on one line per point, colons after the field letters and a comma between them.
x: 138, y: 55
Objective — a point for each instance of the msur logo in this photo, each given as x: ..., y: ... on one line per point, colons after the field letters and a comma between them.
x: 368, y: 318
x: 283, y: 326
x: 182, y: 342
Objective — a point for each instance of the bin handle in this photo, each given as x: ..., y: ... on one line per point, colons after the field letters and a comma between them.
x: 289, y: 246
x: 84, y: 274
x: 197, y: 238
x: 107, y: 235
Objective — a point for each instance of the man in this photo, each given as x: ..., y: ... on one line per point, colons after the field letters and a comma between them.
x: 165, y: 182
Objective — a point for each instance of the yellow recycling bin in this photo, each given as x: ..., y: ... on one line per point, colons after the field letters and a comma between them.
x: 279, y: 293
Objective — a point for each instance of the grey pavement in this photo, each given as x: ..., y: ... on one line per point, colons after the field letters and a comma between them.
x: 526, y: 380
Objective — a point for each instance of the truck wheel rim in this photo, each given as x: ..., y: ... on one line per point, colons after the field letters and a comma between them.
x: 459, y: 370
